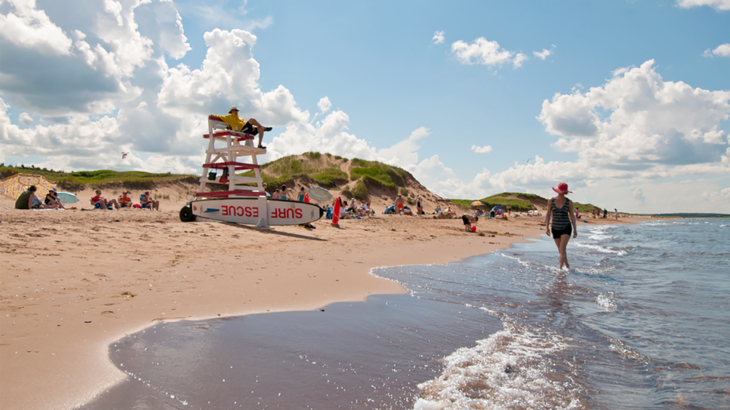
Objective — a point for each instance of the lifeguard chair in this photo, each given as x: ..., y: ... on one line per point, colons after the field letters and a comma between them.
x: 226, y: 158
x: 244, y: 201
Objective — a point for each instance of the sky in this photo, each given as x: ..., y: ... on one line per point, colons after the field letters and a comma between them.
x: 626, y: 101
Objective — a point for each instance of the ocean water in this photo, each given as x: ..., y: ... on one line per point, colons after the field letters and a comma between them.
x: 640, y: 322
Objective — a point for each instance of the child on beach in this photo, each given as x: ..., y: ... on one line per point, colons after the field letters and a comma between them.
x: 399, y: 204
x: 124, y: 200
x: 468, y: 220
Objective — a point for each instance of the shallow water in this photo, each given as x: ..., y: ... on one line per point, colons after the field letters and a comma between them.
x: 640, y: 321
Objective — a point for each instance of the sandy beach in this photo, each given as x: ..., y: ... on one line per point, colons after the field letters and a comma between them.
x: 74, y: 281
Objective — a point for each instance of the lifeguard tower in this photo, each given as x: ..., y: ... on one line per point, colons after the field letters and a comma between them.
x: 243, y: 199
x: 226, y: 158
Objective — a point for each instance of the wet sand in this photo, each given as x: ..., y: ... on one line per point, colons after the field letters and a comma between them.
x: 73, y: 282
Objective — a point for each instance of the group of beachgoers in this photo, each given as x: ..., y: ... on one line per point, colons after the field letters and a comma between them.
x: 124, y: 201
x: 352, y: 209
x: 29, y: 200
x: 399, y: 207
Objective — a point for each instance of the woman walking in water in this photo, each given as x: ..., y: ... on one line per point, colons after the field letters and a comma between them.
x: 563, y: 219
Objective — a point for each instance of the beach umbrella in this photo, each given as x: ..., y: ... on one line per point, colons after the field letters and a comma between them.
x: 320, y: 194
x: 14, y: 185
x: 67, y: 198
x: 477, y: 203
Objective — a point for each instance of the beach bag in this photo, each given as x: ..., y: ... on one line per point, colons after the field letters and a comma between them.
x: 329, y: 212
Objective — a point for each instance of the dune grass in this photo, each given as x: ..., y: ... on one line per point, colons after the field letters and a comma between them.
x: 92, y: 177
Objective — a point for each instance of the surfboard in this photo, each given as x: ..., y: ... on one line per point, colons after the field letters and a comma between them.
x: 251, y: 211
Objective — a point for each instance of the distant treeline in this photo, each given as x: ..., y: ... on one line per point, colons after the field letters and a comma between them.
x: 692, y: 215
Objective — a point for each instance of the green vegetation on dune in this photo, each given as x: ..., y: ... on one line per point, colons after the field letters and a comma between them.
x: 388, y: 176
x: 360, y: 192
x: 520, y: 202
x: 330, y: 177
x: 91, y: 177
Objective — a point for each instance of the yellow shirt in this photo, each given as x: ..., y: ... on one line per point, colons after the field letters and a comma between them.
x: 233, y: 120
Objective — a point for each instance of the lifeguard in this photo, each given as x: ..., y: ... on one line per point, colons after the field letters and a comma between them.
x: 239, y: 124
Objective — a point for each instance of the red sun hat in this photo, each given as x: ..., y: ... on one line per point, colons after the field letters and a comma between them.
x: 562, y: 188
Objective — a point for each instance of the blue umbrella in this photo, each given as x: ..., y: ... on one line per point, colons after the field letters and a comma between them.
x: 67, y: 198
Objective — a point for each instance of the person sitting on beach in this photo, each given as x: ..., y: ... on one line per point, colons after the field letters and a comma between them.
x: 468, y: 220
x: 239, y: 124
x: 146, y: 201
x: 343, y: 211
x: 437, y: 211
x: 102, y: 203
x: 25, y: 200
x: 365, y: 209
x: 353, y: 206
x: 124, y: 200
x: 399, y: 204
x: 53, y: 201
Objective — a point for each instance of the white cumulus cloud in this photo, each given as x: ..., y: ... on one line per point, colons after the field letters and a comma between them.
x: 324, y: 104
x: 485, y: 52
x: 638, y: 121
x: 438, y: 37
x: 481, y: 150
x: 26, y: 26
x: 715, y: 4
x: 542, y: 55
x: 723, y: 50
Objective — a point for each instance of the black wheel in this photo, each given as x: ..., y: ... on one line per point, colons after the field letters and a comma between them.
x: 186, y: 214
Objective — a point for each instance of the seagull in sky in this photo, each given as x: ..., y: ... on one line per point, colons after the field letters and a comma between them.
x: 124, y: 154
x: 528, y: 160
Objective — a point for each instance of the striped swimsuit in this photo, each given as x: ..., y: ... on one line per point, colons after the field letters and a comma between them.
x: 561, y: 216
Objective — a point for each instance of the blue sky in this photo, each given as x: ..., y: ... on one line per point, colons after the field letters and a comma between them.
x: 627, y: 101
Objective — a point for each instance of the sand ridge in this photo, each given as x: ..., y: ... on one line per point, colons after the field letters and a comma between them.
x: 74, y: 281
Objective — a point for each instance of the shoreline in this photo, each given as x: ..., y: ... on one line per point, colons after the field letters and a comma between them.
x: 78, y: 281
